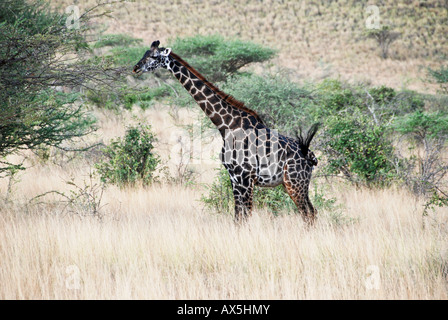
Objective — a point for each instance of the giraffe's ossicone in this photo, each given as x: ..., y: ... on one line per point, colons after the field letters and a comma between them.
x: 252, y: 153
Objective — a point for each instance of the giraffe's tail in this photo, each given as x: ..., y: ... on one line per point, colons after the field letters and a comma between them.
x: 305, y: 142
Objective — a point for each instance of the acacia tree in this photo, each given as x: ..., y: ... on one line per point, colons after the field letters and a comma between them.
x: 40, y: 53
x: 427, y: 166
x: 384, y: 37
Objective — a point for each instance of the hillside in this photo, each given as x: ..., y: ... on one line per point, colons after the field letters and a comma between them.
x: 315, y: 39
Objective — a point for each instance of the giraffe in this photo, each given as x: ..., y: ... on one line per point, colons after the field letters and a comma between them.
x: 252, y: 153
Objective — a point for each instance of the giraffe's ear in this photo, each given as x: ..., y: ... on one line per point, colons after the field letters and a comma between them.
x: 155, y: 44
x: 166, y: 52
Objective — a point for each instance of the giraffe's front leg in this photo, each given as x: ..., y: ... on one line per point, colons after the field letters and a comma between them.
x: 243, y: 187
x: 243, y: 201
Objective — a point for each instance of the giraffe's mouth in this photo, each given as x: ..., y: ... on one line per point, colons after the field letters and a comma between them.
x: 137, y: 69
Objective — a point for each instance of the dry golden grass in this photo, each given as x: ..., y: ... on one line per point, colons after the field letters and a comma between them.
x: 159, y: 243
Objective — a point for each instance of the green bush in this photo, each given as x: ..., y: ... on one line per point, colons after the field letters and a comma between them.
x: 220, y: 197
x: 407, y: 101
x: 387, y: 103
x: 382, y: 94
x: 282, y: 104
x: 358, y: 149
x: 334, y: 96
x: 130, y: 159
x: 121, y: 51
x: 356, y: 139
x: 34, y: 18
x: 275, y: 199
x: 437, y: 199
x: 425, y: 167
x: 421, y: 125
x: 102, y: 99
x: 379, y: 103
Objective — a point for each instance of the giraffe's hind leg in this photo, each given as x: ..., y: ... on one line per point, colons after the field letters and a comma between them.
x: 296, y: 185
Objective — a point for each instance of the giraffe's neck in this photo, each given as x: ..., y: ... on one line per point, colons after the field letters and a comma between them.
x: 215, y: 104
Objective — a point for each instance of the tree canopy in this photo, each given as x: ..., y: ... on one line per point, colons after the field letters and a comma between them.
x: 44, y: 61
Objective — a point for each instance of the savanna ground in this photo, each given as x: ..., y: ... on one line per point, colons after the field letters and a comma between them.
x: 159, y: 242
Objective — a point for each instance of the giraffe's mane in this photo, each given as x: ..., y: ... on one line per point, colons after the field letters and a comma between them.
x: 226, y: 97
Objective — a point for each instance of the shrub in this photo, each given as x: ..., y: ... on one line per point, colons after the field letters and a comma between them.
x: 425, y: 165
x: 406, y: 101
x: 358, y: 149
x: 122, y: 52
x: 276, y: 200
x: 382, y: 94
x: 220, y: 196
x: 380, y: 104
x: 334, y: 97
x: 438, y: 198
x: 131, y: 159
x: 422, y: 125
x: 386, y: 103
x: 282, y: 104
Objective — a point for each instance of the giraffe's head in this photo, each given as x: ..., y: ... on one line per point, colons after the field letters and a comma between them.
x: 153, y: 59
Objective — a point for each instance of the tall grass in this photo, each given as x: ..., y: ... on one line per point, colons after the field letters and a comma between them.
x: 159, y: 242
x: 155, y: 247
